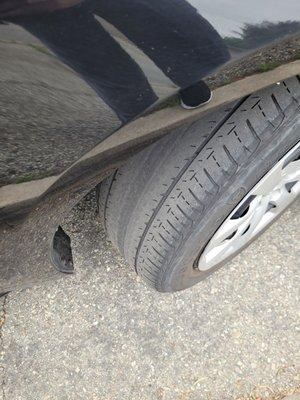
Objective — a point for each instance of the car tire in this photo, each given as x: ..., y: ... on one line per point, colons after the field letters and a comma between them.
x: 163, y: 207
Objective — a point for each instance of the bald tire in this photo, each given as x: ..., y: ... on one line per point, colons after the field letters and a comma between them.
x: 163, y: 206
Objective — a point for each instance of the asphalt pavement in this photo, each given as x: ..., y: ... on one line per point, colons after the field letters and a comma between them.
x: 103, y: 335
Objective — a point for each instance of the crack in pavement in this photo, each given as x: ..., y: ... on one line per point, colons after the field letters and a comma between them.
x: 2, y: 322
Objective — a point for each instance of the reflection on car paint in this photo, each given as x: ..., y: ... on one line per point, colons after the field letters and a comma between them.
x: 73, y: 72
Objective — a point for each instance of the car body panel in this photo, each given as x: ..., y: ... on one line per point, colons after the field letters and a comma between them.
x: 73, y: 103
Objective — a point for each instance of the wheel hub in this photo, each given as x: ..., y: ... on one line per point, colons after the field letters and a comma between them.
x: 268, y: 199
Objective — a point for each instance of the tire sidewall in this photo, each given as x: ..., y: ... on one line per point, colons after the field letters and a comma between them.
x: 179, y: 272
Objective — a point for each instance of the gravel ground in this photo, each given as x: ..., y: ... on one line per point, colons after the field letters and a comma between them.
x: 102, y: 334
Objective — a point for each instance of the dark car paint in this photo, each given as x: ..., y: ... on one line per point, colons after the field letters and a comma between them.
x: 72, y: 76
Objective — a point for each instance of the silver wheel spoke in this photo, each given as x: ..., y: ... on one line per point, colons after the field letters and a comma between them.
x: 291, y: 172
x: 272, y: 195
x: 258, y: 216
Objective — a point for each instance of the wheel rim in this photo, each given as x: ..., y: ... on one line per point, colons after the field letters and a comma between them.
x: 268, y: 199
